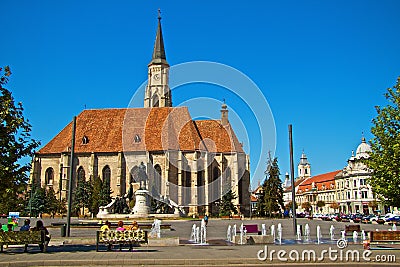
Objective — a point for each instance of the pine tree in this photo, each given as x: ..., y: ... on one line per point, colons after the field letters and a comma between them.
x: 37, y: 203
x: 15, y: 144
x: 385, y: 145
x: 227, y: 207
x: 52, y: 203
x: 271, y: 199
x: 82, y: 197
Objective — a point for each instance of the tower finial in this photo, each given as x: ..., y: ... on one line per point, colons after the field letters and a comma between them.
x: 159, y: 14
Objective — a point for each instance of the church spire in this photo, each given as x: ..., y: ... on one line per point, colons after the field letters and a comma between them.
x: 158, y: 51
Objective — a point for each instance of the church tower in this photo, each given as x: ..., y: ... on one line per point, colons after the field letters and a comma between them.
x: 157, y: 90
x: 304, y: 167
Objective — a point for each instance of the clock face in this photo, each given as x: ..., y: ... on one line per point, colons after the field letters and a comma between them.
x: 156, y: 76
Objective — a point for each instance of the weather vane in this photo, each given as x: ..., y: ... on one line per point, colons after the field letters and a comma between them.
x: 159, y: 13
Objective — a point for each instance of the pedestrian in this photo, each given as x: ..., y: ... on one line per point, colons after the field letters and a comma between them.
x: 106, y: 226
x: 10, y: 227
x: 41, y: 227
x: 26, y: 226
x: 206, y: 219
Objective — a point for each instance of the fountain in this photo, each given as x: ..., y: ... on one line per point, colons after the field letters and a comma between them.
x: 343, y: 235
x: 233, y: 232
x: 203, y: 233
x: 263, y: 229
x: 193, y: 234
x: 273, y: 232
x: 394, y: 227
x: 229, y: 234
x: 319, y: 236
x: 197, y: 240
x: 156, y: 229
x: 363, y: 235
x: 307, y: 232
x: 280, y: 233
x: 298, y: 232
x: 243, y: 232
x: 332, y: 232
x: 355, y: 236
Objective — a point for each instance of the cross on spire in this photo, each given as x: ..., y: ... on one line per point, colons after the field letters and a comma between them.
x: 159, y: 14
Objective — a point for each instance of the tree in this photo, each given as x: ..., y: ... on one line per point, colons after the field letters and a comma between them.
x: 227, y: 207
x: 320, y: 204
x: 37, y: 203
x: 271, y: 197
x: 385, y: 145
x: 290, y: 205
x: 306, y: 206
x: 15, y: 144
x: 52, y: 203
x: 101, y: 195
x: 334, y: 206
x: 82, y: 197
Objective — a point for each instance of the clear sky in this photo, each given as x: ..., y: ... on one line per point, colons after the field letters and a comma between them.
x: 321, y: 65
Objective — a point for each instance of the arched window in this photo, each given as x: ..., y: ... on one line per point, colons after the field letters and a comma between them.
x: 49, y: 176
x: 155, y: 101
x: 156, y: 186
x: 107, y: 175
x: 85, y: 140
x: 81, y: 174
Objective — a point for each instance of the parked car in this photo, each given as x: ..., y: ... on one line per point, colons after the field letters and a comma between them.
x: 356, y: 217
x: 393, y: 219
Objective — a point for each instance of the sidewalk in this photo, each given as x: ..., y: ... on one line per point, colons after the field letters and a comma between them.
x: 80, y: 252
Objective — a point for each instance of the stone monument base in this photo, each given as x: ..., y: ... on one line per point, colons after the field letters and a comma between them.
x: 254, y: 239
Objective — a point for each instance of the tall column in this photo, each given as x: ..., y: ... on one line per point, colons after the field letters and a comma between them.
x: 206, y: 174
x: 180, y: 177
x: 193, y: 187
x: 119, y: 173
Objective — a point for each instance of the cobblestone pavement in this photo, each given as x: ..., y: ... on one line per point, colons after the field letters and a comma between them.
x: 79, y: 249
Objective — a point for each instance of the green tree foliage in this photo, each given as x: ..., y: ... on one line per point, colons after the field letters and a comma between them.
x: 15, y: 144
x: 101, y: 195
x: 385, y: 156
x: 227, y: 207
x: 52, y: 203
x: 306, y: 206
x: 37, y: 203
x: 320, y: 204
x: 83, y: 196
x: 270, y: 200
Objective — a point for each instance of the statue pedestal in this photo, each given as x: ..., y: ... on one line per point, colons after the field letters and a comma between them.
x: 141, y: 208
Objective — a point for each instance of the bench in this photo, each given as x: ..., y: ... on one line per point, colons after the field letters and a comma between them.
x: 384, y: 236
x: 24, y: 238
x: 353, y: 227
x: 128, y: 237
x: 251, y: 229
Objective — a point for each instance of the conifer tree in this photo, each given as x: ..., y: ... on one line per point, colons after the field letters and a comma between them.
x: 271, y: 197
x: 227, y: 207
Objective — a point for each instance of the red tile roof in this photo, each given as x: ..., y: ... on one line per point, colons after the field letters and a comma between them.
x: 324, y: 181
x: 156, y: 129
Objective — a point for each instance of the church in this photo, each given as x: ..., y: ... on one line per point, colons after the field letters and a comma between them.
x: 157, y: 147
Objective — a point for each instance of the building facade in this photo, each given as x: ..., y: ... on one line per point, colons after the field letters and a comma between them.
x: 190, y: 163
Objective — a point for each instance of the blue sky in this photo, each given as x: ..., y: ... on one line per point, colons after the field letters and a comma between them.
x: 321, y: 65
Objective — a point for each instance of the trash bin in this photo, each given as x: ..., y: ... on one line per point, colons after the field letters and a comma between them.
x: 63, y: 230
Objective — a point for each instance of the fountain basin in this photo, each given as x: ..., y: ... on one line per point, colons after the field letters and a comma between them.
x: 254, y: 239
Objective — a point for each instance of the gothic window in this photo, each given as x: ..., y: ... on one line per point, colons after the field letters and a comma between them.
x: 85, y: 140
x: 137, y: 138
x: 81, y: 174
x: 106, y: 175
x: 155, y: 101
x: 49, y: 176
x: 156, y: 187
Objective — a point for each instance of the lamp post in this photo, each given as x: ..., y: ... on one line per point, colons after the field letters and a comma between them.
x: 71, y: 175
x: 292, y: 180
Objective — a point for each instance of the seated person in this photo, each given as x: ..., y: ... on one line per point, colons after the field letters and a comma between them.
x: 26, y: 225
x: 41, y: 227
x: 120, y: 226
x: 106, y: 226
x: 134, y: 226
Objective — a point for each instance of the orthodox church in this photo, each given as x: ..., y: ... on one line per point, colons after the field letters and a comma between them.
x: 160, y: 148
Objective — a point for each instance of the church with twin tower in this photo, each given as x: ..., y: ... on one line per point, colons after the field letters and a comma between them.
x: 186, y: 163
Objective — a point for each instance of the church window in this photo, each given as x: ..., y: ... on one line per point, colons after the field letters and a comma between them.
x: 81, y: 174
x: 49, y: 176
x: 137, y: 139
x: 306, y: 171
x: 364, y: 194
x: 85, y: 140
x: 155, y: 101
x: 106, y: 175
